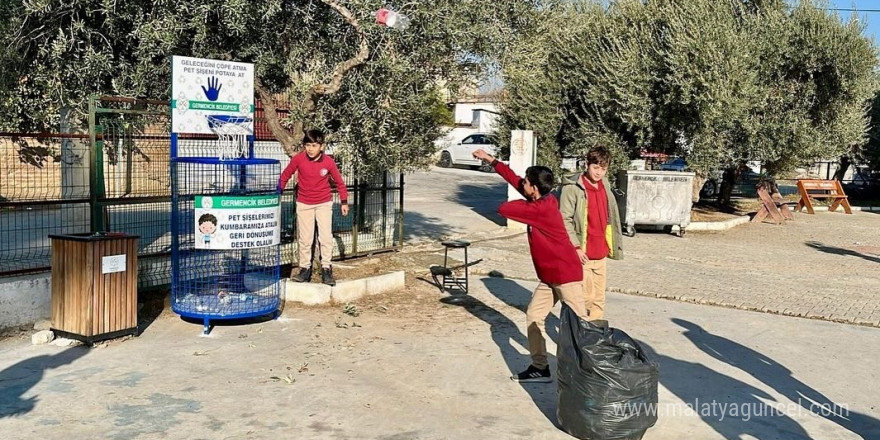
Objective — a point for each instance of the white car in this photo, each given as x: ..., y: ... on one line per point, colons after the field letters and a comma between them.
x: 462, y: 153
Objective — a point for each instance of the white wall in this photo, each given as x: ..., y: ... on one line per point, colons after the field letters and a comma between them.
x: 484, y: 121
x: 469, y: 120
x: 464, y: 112
x: 25, y: 299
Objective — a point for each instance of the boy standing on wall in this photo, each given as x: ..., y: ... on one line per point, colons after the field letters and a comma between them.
x: 314, y: 204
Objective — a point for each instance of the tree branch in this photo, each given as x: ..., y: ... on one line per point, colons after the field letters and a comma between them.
x: 343, y: 67
x: 291, y: 140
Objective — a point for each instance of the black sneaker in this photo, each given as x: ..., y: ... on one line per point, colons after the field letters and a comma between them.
x: 304, y: 275
x: 327, y: 276
x: 533, y: 374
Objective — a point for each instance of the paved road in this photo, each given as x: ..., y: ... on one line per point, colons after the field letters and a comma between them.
x: 445, y: 202
x: 818, y: 266
x: 417, y: 366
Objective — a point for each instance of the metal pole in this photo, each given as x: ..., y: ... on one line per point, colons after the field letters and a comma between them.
x: 400, y: 211
x: 175, y: 226
x: 96, y: 174
x: 355, y: 219
x: 384, y: 208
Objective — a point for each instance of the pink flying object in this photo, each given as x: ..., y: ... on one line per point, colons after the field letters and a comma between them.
x: 392, y: 19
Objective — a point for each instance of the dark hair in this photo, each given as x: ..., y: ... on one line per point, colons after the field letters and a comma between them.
x: 598, y: 155
x: 316, y: 136
x: 541, y: 178
x: 208, y: 218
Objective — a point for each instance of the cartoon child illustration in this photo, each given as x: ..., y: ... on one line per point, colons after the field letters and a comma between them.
x: 207, y: 226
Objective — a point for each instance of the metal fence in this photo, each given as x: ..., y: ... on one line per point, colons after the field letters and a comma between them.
x: 40, y: 195
x: 116, y: 177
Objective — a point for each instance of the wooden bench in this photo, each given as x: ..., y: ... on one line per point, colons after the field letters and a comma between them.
x: 773, y: 205
x: 821, y: 189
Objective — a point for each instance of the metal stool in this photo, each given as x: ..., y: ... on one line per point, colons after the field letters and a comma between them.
x: 446, y: 273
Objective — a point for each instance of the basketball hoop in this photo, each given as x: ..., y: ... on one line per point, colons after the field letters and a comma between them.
x: 232, y: 133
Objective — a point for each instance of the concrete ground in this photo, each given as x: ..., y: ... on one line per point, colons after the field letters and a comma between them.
x: 415, y: 367
x: 422, y: 364
x: 447, y: 202
x: 820, y: 266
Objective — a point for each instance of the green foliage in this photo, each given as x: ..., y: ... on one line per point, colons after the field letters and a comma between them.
x: 869, y: 153
x: 719, y: 82
x: 60, y: 52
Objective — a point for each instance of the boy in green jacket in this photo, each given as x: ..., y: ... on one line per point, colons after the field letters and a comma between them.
x: 592, y: 219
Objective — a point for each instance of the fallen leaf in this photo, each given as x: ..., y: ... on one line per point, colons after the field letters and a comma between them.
x: 289, y: 379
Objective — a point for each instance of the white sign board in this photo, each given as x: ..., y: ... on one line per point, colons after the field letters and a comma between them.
x: 523, y: 154
x: 113, y: 264
x: 237, y: 222
x: 202, y: 87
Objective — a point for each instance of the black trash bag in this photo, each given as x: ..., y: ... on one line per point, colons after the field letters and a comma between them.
x: 607, y: 384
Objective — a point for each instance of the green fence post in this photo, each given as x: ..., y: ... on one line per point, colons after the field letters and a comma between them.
x: 400, y: 211
x: 96, y: 170
x: 384, y: 208
x: 354, y: 223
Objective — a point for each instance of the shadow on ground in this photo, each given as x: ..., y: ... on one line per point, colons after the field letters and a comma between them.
x: 780, y: 378
x: 518, y: 297
x: 484, y: 200
x: 511, y: 342
x: 840, y: 251
x: 17, y: 379
x: 418, y: 227
x: 712, y: 396
x: 153, y: 307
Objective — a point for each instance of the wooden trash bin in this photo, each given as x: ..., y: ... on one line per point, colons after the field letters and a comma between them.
x: 94, y: 285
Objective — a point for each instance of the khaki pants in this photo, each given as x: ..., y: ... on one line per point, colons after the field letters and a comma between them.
x: 306, y: 216
x: 543, y: 299
x: 594, y: 288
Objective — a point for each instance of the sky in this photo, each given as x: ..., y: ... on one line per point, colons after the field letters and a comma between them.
x: 869, y: 11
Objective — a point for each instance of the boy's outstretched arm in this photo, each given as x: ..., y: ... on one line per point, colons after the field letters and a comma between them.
x: 502, y: 169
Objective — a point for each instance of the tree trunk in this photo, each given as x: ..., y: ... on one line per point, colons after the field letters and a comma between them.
x: 699, y: 181
x: 842, y: 168
x: 729, y: 178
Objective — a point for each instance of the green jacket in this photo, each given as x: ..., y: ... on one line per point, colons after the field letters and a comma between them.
x: 573, y: 206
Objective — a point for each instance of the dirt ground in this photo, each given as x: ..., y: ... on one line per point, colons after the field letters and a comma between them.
x: 411, y: 302
x: 421, y: 364
x: 418, y: 364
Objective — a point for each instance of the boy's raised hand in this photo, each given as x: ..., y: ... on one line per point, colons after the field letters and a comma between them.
x: 482, y: 155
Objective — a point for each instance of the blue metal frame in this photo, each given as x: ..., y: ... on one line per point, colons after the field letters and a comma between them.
x: 213, y: 284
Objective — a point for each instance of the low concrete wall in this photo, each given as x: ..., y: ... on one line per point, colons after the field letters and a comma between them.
x: 25, y: 299
x: 344, y: 291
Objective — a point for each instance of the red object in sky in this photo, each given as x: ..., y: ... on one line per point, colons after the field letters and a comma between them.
x: 382, y: 15
x: 392, y: 19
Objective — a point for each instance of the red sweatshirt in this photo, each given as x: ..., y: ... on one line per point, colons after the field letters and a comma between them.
x: 597, y: 220
x: 314, y: 179
x: 556, y: 260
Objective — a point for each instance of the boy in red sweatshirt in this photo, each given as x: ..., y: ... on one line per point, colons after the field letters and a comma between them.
x: 592, y: 220
x: 314, y: 204
x: 555, y: 258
